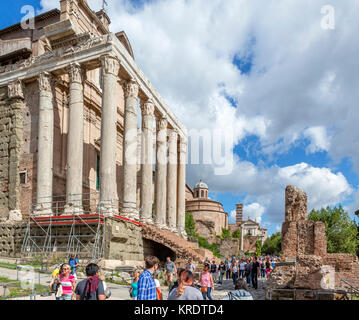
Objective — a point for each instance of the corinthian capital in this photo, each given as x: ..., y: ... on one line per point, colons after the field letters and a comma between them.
x: 44, y: 81
x: 172, y: 135
x: 131, y: 89
x: 110, y: 64
x: 15, y: 90
x: 76, y: 73
x: 148, y: 108
x: 183, y: 145
x: 162, y: 123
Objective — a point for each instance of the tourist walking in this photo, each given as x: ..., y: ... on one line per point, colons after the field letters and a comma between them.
x: 235, y: 272
x: 134, y: 285
x: 221, y: 272
x: 190, y: 266
x: 55, y: 284
x: 207, y: 284
x: 185, y: 291
x: 93, y: 287
x: 242, y: 268
x: 268, y: 267
x: 214, y: 270
x: 228, y: 270
x: 170, y: 271
x: 240, y: 292
x: 67, y: 282
x: 74, y: 263
x: 146, y: 284
x: 255, y: 272
x: 248, y: 271
x: 263, y: 269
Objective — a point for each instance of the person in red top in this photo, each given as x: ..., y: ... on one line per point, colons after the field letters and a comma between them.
x: 68, y: 283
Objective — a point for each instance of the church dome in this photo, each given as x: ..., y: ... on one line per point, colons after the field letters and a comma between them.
x: 201, y: 185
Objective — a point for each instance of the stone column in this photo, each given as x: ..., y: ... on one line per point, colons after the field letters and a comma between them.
x: 45, y: 146
x: 17, y: 97
x: 75, y: 141
x: 147, y: 109
x: 181, y: 188
x: 172, y: 180
x: 108, y: 184
x: 161, y: 173
x: 129, y: 208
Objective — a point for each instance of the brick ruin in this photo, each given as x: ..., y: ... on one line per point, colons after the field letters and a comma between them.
x: 305, y: 263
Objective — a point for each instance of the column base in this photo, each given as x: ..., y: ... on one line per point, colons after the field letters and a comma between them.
x: 73, y: 210
x: 108, y: 210
x: 42, y: 210
x: 183, y: 234
x: 130, y: 213
x: 15, y: 215
x: 147, y: 220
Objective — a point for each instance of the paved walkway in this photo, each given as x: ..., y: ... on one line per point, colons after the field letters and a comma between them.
x: 120, y: 292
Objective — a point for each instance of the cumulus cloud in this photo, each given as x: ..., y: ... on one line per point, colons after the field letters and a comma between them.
x: 301, y: 85
x: 319, y: 140
x: 253, y: 211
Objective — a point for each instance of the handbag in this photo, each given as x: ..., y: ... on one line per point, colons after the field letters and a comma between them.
x: 204, y: 289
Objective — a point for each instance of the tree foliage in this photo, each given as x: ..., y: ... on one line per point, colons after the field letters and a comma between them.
x: 273, y: 244
x: 237, y: 234
x: 341, y: 231
x: 190, y: 226
x: 226, y: 234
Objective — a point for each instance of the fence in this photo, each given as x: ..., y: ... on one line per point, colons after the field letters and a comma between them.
x: 312, y: 294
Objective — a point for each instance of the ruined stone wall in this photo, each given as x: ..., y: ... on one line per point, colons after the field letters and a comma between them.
x: 123, y: 241
x: 11, y: 135
x: 249, y: 243
x: 11, y: 238
x: 229, y: 247
x: 299, y: 235
x: 346, y: 266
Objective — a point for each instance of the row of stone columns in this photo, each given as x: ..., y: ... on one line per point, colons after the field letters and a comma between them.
x: 169, y: 211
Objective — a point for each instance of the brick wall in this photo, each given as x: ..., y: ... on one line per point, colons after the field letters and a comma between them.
x: 11, y: 238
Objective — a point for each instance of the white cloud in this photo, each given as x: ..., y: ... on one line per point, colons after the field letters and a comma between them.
x: 253, y: 211
x: 319, y: 140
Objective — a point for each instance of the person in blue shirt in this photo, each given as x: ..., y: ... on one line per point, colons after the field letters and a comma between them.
x: 146, y: 287
x: 74, y: 263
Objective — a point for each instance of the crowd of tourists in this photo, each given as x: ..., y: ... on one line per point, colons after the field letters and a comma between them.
x: 181, y: 282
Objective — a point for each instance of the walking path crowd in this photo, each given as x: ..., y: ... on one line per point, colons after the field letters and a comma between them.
x: 234, y: 278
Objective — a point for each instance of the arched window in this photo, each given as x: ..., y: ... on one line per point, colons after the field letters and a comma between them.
x: 202, y: 194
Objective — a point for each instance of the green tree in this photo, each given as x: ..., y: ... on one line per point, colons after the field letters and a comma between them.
x: 273, y: 244
x: 190, y: 226
x: 237, y: 234
x: 226, y: 234
x: 341, y: 231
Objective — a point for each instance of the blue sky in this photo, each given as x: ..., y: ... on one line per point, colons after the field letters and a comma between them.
x: 287, y: 88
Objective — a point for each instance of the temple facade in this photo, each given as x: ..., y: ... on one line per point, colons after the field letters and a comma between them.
x: 80, y: 125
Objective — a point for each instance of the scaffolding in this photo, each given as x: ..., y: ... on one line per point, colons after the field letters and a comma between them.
x: 53, y: 229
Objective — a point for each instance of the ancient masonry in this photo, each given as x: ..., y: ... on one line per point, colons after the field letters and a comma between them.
x: 69, y: 97
x: 305, y: 262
